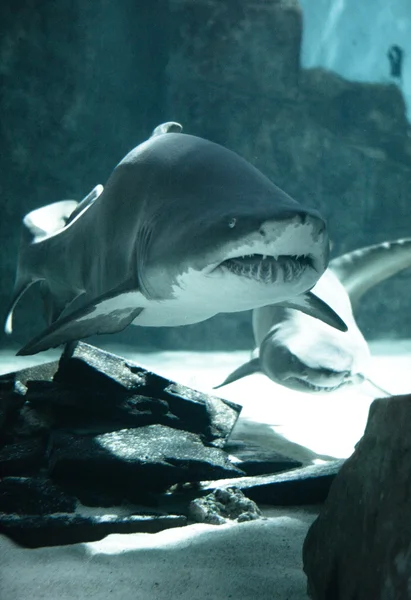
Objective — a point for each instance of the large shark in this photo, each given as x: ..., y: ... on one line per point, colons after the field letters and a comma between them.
x: 305, y: 354
x: 184, y: 229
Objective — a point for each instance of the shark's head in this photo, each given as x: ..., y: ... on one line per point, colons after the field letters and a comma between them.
x: 217, y: 228
x: 304, y: 353
x: 323, y: 369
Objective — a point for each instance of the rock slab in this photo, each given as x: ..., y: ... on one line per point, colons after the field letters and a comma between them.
x: 33, y: 531
x: 120, y: 386
x: 298, y: 487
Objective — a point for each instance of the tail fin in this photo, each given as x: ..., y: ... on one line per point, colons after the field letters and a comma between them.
x: 20, y: 289
x: 47, y: 220
x: 37, y: 225
x: 24, y: 279
x: 248, y: 368
x: 364, y: 268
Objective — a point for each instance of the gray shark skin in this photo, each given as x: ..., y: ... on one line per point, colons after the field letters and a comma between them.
x: 305, y: 354
x: 183, y: 229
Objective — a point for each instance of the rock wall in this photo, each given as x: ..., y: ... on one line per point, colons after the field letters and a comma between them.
x: 84, y: 82
x: 338, y: 37
x: 235, y: 77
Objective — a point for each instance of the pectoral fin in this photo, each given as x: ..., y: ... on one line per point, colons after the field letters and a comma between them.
x: 248, y: 368
x: 310, y: 304
x: 109, y: 313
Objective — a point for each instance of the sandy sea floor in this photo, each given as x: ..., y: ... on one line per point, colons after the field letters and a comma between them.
x: 241, y: 561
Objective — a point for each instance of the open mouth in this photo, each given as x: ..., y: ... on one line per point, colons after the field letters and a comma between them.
x: 268, y: 268
x: 303, y: 384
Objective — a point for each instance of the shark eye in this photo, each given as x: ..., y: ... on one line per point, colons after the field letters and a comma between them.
x: 232, y: 222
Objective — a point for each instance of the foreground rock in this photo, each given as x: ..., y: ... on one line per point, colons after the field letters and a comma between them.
x: 360, y: 545
x: 96, y: 430
x: 93, y: 391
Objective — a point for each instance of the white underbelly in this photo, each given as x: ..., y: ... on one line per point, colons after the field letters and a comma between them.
x: 171, y: 313
x: 197, y: 297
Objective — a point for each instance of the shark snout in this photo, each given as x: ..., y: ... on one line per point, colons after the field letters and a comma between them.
x: 301, y: 234
x: 310, y: 222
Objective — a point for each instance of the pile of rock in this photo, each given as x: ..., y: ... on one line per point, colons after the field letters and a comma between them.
x: 95, y: 430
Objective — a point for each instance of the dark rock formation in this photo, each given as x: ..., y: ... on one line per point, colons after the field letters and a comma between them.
x: 223, y: 505
x: 96, y: 430
x: 92, y: 391
x: 123, y: 392
x: 360, y: 545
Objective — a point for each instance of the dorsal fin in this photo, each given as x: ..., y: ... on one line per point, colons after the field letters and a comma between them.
x: 169, y: 127
x: 38, y: 225
x: 248, y: 368
x: 362, y: 269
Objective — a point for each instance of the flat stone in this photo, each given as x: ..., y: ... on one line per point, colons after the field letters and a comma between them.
x: 92, y: 370
x: 308, y: 485
x: 33, y: 496
x: 60, y: 529
x: 132, y: 462
x: 360, y: 545
x: 254, y: 460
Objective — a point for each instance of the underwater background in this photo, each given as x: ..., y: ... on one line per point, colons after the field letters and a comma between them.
x: 303, y: 90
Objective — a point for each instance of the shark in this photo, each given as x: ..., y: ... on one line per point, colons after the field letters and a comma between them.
x: 304, y: 354
x: 183, y: 229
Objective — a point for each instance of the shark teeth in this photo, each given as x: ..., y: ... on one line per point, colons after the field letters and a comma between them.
x: 267, y: 268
